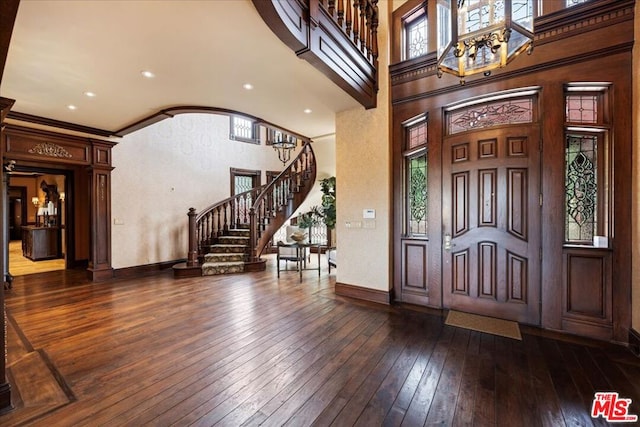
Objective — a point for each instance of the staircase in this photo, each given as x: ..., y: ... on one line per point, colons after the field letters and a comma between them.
x: 229, y: 254
x: 230, y: 236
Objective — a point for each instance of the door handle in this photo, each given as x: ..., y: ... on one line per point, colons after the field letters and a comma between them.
x: 447, y: 242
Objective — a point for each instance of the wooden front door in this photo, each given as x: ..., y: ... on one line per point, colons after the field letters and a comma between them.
x: 491, y: 223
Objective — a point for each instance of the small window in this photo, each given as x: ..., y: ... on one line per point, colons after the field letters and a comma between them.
x: 586, y: 165
x: 415, y: 34
x: 243, y: 129
x: 415, y: 168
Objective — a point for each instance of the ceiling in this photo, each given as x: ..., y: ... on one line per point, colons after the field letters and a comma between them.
x: 201, y: 52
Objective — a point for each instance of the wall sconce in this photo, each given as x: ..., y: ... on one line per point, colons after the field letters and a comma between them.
x: 62, y: 196
x: 35, y: 201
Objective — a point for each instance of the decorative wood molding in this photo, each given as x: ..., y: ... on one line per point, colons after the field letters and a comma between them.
x: 49, y: 149
x: 168, y: 113
x: 634, y: 341
x: 366, y: 294
x: 5, y: 107
x: 43, y: 121
x: 581, y: 18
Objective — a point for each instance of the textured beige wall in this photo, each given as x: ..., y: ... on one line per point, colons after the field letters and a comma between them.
x: 163, y: 170
x: 363, y: 181
x: 635, y: 290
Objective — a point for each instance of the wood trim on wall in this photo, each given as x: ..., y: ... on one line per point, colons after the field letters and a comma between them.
x: 8, y: 13
x: 146, y: 270
x: 169, y: 113
x: 358, y: 292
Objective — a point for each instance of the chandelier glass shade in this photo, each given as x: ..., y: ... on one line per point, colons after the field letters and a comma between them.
x: 477, y: 36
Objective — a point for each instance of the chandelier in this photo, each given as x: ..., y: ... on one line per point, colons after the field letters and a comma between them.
x: 477, y: 36
x: 284, y: 145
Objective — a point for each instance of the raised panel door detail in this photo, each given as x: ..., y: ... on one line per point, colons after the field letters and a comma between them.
x: 460, y: 203
x: 415, y: 262
x: 517, y: 147
x: 487, y: 182
x: 586, y: 284
x: 460, y: 153
x: 487, y: 264
x: 517, y: 278
x: 461, y: 272
x: 517, y: 192
x: 487, y: 149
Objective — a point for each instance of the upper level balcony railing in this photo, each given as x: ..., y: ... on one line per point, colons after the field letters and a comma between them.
x: 338, y: 37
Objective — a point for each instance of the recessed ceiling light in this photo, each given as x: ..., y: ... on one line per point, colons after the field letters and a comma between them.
x: 307, y: 111
x: 247, y: 86
x: 90, y: 94
x: 147, y: 74
x: 72, y: 107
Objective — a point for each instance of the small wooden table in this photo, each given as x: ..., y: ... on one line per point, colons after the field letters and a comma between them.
x: 300, y: 258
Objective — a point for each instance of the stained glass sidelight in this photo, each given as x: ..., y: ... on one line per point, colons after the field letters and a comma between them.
x: 416, y: 37
x: 417, y: 197
x: 503, y: 112
x: 417, y: 135
x: 582, y: 109
x: 581, y: 188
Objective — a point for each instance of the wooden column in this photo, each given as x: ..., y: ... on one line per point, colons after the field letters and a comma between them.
x: 100, y: 203
x: 5, y: 387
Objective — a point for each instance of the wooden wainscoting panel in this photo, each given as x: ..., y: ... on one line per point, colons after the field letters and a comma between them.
x: 414, y: 287
x: 587, y: 296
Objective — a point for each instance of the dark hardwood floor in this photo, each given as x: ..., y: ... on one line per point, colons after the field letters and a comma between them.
x: 251, y: 349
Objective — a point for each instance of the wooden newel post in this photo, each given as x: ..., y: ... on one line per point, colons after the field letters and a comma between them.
x: 253, y: 238
x: 192, y: 256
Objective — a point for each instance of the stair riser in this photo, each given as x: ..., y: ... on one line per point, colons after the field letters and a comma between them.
x: 239, y: 233
x: 230, y: 240
x: 228, y: 249
x: 216, y: 270
x: 231, y: 257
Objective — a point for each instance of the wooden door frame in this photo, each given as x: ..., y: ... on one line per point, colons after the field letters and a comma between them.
x: 23, y: 208
x: 255, y: 174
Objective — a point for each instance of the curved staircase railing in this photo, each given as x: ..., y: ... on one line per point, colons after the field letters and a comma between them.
x: 280, y: 199
x: 263, y: 209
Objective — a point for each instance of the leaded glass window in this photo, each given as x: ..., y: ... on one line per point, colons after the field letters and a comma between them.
x: 417, y: 135
x: 586, y: 177
x: 581, y: 188
x: 417, y: 37
x: 489, y: 114
x: 416, y: 193
x: 243, y: 129
x: 582, y: 109
x: 415, y: 33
